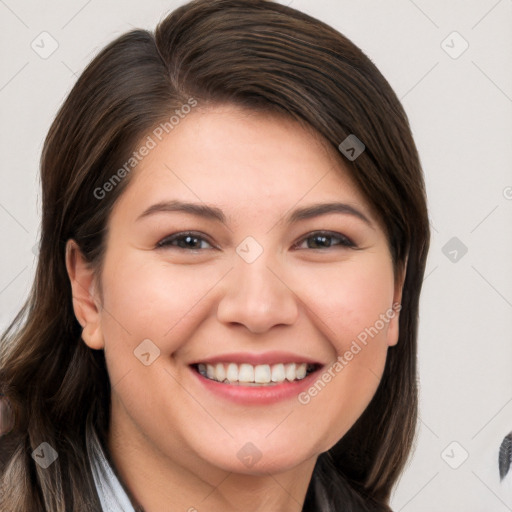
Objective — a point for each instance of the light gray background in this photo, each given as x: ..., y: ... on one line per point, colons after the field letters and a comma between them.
x: 460, y: 112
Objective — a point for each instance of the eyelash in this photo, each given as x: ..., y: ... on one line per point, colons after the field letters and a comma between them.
x: 344, y: 241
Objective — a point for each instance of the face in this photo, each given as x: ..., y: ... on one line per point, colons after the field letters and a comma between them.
x: 246, y: 318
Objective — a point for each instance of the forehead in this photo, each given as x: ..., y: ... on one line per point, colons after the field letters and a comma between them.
x: 229, y: 156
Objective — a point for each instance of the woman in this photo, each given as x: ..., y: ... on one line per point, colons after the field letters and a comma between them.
x: 225, y: 310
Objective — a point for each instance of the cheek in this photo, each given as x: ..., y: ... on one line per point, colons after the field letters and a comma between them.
x: 153, y: 300
x: 350, y: 299
x: 350, y: 303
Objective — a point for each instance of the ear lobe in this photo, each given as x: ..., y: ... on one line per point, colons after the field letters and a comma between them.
x: 394, y: 312
x: 85, y: 304
x: 393, y: 326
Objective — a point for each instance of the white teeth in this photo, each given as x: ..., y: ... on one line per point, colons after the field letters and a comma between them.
x: 265, y: 374
x: 262, y: 374
x: 278, y: 374
x: 300, y: 371
x: 220, y: 372
x: 289, y: 371
x: 232, y: 373
x: 246, y: 373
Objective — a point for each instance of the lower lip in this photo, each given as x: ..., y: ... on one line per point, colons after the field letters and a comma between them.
x: 262, y: 395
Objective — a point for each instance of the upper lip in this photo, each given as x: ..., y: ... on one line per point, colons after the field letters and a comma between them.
x: 257, y: 359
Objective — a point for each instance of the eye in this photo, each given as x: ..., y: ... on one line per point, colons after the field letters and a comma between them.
x: 186, y: 240
x: 317, y: 240
x: 325, y: 240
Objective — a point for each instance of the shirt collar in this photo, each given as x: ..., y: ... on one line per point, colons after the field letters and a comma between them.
x: 112, y: 496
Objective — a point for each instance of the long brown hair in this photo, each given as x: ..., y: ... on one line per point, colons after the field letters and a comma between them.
x: 262, y: 56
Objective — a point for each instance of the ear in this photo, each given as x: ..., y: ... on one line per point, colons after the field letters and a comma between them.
x: 85, y: 302
x: 394, y: 312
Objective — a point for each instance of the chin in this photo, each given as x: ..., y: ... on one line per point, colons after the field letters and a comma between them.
x: 258, y: 456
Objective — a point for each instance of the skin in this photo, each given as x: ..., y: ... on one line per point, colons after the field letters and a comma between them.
x: 172, y: 441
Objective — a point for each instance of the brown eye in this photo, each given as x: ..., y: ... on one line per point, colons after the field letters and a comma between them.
x: 325, y: 240
x: 187, y: 240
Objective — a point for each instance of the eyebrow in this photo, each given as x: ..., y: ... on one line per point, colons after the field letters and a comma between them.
x: 213, y: 213
x: 325, y: 208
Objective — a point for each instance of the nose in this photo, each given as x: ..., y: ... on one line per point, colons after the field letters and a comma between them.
x: 257, y: 297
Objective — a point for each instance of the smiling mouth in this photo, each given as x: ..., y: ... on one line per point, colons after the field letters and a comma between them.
x: 255, y: 375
